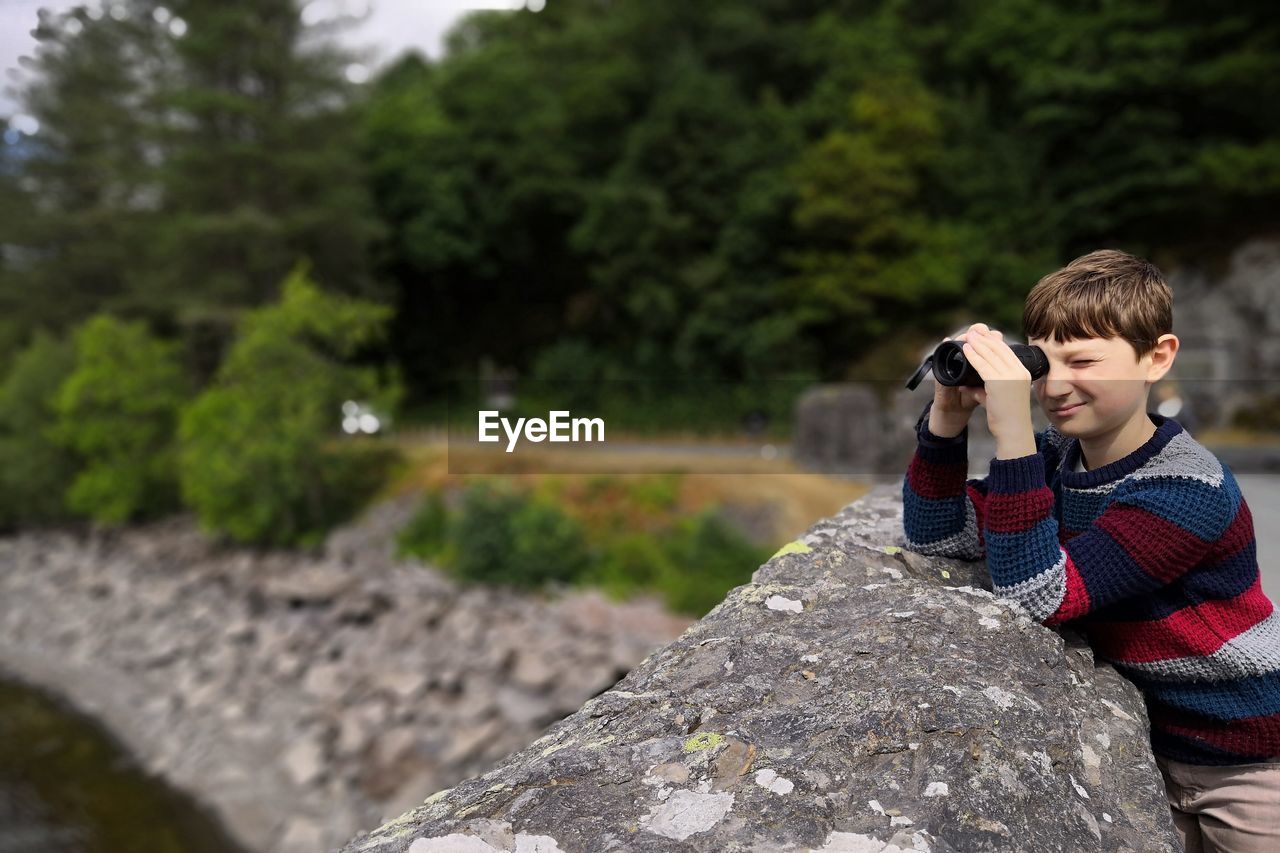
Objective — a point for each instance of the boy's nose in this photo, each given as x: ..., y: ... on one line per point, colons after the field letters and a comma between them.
x: 1054, y: 383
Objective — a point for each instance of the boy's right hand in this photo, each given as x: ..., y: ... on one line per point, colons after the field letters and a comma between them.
x: 953, y: 404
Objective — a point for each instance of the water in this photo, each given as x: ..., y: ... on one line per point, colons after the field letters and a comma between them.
x: 67, y: 787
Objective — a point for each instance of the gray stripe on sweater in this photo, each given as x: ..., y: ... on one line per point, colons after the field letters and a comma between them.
x: 1041, y: 594
x: 1185, y: 457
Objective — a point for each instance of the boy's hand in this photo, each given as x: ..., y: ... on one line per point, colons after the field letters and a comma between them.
x: 952, y: 405
x: 1006, y: 394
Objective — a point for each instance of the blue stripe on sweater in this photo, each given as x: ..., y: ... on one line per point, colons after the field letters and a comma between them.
x: 932, y: 519
x: 1227, y: 578
x: 1108, y: 570
x: 1191, y: 751
x: 1083, y: 509
x: 1256, y: 696
x: 1219, y: 582
x: 1015, y: 557
x: 1194, y: 506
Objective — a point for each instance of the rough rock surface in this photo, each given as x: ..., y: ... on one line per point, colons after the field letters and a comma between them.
x: 1227, y: 320
x: 303, y: 697
x: 853, y: 697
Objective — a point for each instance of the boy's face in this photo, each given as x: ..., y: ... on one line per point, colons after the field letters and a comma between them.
x: 1097, y: 384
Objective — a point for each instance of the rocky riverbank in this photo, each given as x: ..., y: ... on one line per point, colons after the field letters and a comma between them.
x: 303, y: 698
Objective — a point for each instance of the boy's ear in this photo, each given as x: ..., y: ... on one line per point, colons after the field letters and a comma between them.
x: 1166, y: 350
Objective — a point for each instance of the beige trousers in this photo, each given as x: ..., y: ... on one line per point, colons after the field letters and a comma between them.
x: 1232, y: 809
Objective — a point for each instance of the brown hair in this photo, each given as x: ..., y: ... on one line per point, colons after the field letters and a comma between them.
x: 1104, y: 294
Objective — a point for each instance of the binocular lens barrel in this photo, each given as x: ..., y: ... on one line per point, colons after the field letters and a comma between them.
x: 951, y: 367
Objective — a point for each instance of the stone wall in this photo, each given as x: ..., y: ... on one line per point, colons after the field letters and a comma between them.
x: 853, y: 697
x: 303, y: 698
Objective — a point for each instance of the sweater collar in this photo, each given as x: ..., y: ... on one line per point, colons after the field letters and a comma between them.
x: 1166, y: 429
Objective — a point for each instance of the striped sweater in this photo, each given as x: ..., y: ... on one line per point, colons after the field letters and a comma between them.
x: 1152, y: 557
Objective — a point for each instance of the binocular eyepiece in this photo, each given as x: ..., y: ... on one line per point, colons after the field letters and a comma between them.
x: 951, y: 367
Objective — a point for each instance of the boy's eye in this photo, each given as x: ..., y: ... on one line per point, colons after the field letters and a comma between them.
x: 1089, y: 361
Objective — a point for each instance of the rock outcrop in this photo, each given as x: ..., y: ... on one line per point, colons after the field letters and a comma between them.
x: 303, y: 697
x: 853, y: 697
x: 1227, y: 320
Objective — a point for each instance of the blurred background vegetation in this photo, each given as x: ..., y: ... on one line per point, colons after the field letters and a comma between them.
x: 217, y: 231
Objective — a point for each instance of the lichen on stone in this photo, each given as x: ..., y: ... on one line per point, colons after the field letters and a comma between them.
x: 703, y: 740
x: 794, y: 547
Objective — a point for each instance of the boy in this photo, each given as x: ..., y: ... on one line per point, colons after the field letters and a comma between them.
x: 1116, y: 520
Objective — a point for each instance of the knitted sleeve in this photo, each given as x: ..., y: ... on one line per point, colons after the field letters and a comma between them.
x: 943, y: 513
x: 1153, y: 530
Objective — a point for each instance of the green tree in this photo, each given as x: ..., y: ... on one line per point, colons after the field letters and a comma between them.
x: 80, y: 191
x: 190, y: 152
x: 259, y: 168
x: 35, y: 470
x: 262, y: 459
x: 117, y: 411
x: 876, y: 254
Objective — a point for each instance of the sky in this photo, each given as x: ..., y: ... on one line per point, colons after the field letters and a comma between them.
x: 392, y: 27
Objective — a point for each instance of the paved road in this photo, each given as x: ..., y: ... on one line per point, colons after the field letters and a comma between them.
x: 1262, y: 491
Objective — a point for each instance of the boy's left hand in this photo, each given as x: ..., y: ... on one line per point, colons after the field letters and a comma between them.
x: 1006, y: 391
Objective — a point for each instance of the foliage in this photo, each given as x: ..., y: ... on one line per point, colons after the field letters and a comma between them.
x: 622, y: 537
x: 80, y: 184
x: 705, y: 558
x: 733, y: 191
x: 35, y: 471
x: 426, y: 534
x: 500, y: 536
x: 117, y: 411
x: 715, y: 191
x: 261, y: 457
x: 189, y: 153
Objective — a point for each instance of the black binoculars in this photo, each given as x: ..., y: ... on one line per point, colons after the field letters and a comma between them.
x: 950, y: 367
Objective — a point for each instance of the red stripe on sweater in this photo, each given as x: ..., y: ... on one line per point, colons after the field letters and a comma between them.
x: 1076, y: 602
x: 1246, y: 736
x: 1160, y: 547
x: 1021, y: 511
x: 1198, y: 630
x: 936, y: 479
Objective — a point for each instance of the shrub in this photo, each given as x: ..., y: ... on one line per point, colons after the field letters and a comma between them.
x: 629, y: 564
x: 117, y: 411
x: 565, y: 375
x: 705, y: 558
x: 427, y: 533
x: 502, y: 536
x: 35, y: 470
x: 655, y: 493
x: 262, y: 458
